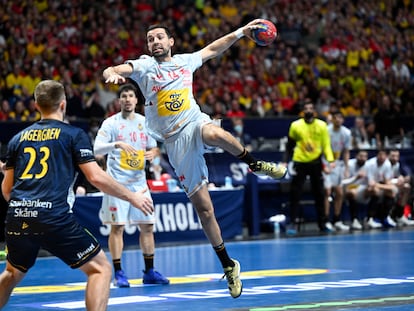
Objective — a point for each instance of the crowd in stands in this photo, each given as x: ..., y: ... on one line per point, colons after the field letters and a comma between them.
x: 348, y: 55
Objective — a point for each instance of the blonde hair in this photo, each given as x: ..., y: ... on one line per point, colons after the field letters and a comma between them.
x: 49, y: 94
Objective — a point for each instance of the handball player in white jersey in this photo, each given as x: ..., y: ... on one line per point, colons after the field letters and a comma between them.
x: 124, y: 139
x: 356, y: 186
x: 341, y: 144
x: 402, y: 182
x: 382, y: 192
x: 174, y: 118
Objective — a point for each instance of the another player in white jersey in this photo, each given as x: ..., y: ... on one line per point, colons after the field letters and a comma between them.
x: 402, y: 181
x: 123, y: 138
x: 380, y: 189
x: 356, y: 186
x: 174, y: 117
x: 341, y: 144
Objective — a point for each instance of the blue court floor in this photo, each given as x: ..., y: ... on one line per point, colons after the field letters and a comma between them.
x: 371, y: 270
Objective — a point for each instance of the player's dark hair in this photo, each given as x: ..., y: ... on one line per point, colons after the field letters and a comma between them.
x: 167, y: 30
x: 337, y: 113
x: 127, y: 87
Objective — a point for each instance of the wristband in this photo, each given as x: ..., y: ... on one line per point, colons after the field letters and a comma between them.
x: 239, y: 33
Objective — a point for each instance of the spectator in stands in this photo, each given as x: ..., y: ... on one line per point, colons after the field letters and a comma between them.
x: 340, y: 137
x: 239, y: 133
x: 5, y: 110
x: 20, y: 112
x: 387, y: 122
x: 356, y: 187
x: 235, y: 110
x: 360, y: 139
x: 402, y: 181
x: 353, y: 109
x: 323, y: 103
x: 219, y: 110
x: 381, y: 191
x: 93, y: 107
x: 31, y: 80
x: 76, y: 109
x: 34, y: 114
x: 124, y: 139
x: 371, y: 132
x: 14, y: 83
x: 308, y: 141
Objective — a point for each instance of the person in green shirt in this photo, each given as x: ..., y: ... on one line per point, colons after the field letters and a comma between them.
x: 308, y: 141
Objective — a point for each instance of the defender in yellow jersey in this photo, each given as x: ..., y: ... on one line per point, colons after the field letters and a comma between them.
x: 308, y: 141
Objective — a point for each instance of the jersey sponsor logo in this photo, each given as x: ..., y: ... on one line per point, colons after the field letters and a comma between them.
x: 40, y: 134
x: 86, y: 251
x: 86, y: 152
x: 25, y: 213
x: 132, y: 162
x: 30, y: 203
x: 171, y: 102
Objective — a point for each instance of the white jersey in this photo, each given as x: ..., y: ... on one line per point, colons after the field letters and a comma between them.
x: 127, y: 169
x: 168, y: 91
x: 378, y: 173
x: 396, y: 172
x: 354, y: 169
x: 340, y: 140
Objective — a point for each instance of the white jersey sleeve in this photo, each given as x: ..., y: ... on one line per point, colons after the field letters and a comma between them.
x: 168, y: 91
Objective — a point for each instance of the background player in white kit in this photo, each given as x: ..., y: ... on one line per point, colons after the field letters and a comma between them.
x: 341, y: 140
x: 123, y: 138
x: 402, y: 181
x: 355, y: 187
x: 380, y: 189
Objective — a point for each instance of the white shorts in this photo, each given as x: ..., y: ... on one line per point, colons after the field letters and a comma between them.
x: 361, y: 195
x: 186, y: 154
x: 119, y: 212
x: 334, y: 178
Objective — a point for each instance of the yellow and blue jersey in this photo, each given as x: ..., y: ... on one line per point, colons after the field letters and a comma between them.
x: 44, y: 157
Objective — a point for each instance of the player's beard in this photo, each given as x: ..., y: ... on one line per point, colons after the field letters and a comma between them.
x: 160, y: 55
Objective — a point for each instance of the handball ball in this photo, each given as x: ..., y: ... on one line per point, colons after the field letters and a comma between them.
x: 265, y: 34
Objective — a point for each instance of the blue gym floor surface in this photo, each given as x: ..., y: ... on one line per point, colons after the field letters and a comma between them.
x: 370, y: 270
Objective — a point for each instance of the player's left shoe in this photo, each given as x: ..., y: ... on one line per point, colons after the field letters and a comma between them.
x: 276, y: 171
x: 154, y: 277
x: 121, y: 279
x: 404, y: 221
x: 234, y: 283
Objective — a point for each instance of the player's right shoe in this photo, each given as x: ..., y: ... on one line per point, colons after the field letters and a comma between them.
x: 339, y: 225
x: 356, y: 225
x: 121, y: 279
x: 234, y: 283
x: 404, y: 221
x: 373, y: 224
x: 154, y: 277
x: 276, y: 171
